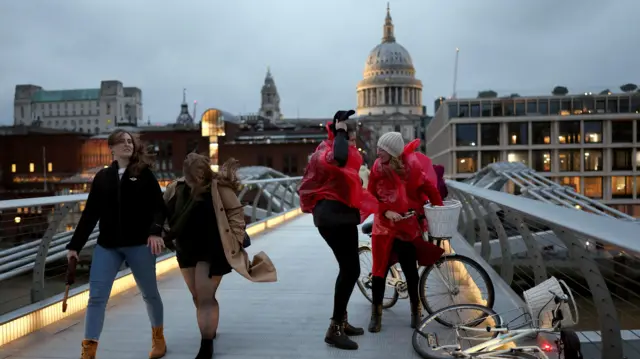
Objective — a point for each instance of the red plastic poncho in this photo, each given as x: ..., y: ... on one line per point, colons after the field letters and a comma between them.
x: 399, y: 195
x: 323, y: 179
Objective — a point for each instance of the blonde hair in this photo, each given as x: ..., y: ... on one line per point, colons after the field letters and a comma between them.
x: 199, y: 175
x: 397, y: 166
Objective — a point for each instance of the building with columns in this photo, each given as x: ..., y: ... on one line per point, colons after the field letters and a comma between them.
x: 92, y: 111
x: 389, y: 97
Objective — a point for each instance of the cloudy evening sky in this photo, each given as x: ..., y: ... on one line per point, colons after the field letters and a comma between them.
x: 220, y: 50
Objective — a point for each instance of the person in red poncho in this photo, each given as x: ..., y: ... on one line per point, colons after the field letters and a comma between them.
x: 399, y: 182
x: 332, y: 191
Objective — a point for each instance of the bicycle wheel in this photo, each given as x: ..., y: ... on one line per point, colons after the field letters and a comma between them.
x: 455, y: 279
x: 364, y: 282
x: 428, y: 336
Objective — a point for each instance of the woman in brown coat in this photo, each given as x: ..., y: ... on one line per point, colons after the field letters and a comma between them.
x: 206, y: 219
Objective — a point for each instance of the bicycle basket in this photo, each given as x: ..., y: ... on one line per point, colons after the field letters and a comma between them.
x: 540, y: 302
x: 443, y: 220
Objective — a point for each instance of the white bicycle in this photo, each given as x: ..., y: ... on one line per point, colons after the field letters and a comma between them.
x: 451, y: 280
x: 481, y: 333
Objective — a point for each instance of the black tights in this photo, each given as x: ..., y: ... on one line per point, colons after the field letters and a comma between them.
x: 407, y: 258
x: 343, y: 241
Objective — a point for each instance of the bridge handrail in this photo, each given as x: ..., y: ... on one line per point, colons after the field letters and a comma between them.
x: 622, y: 234
x: 34, y: 255
x: 592, y: 243
x: 51, y: 200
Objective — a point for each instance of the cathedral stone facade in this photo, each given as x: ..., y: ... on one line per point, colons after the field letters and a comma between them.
x: 389, y: 97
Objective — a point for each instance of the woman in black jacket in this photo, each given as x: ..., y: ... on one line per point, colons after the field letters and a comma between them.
x: 127, y: 200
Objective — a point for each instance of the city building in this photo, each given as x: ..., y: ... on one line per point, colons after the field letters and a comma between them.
x: 389, y: 97
x: 94, y: 111
x: 587, y: 141
x: 34, y: 160
x: 270, y: 99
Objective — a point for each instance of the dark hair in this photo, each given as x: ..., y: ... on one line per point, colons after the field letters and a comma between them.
x: 140, y: 159
x: 198, y: 173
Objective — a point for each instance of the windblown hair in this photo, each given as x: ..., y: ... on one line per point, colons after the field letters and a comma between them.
x: 395, y: 163
x: 199, y: 175
x: 140, y: 159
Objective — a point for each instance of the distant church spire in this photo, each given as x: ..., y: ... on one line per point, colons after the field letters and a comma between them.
x: 270, y: 99
x: 388, y: 35
x: 184, y: 118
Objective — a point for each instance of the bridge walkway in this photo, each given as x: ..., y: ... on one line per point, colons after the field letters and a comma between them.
x: 286, y: 319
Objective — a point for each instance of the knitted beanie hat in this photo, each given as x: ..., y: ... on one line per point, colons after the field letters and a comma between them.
x: 392, y: 142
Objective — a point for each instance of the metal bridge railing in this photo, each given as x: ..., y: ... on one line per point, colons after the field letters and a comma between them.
x: 35, y: 231
x: 527, y: 240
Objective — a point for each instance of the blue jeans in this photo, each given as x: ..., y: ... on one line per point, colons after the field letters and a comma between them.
x: 104, y: 267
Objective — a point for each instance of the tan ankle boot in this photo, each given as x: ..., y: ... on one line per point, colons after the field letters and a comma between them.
x: 89, y: 348
x: 158, y: 344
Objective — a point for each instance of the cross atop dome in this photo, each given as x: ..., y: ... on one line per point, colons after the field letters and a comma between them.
x: 388, y: 35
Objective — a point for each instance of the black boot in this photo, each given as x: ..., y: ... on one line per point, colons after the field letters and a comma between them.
x: 206, y: 349
x: 336, y: 336
x: 416, y: 315
x: 376, y: 318
x: 349, y: 329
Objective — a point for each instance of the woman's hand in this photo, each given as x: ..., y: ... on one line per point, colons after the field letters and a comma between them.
x: 72, y: 254
x: 393, y: 216
x: 156, y: 244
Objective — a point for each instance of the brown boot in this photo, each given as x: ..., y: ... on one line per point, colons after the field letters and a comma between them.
x: 349, y: 329
x: 158, y: 344
x: 89, y: 348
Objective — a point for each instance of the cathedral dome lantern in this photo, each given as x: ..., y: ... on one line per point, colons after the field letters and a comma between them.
x: 389, y: 84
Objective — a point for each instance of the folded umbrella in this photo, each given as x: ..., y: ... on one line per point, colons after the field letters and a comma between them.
x: 70, y: 279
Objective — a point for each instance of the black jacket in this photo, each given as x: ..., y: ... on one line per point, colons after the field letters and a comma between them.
x: 335, y: 213
x: 129, y: 209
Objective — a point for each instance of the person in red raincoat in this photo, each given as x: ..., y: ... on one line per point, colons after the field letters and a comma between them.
x: 331, y: 189
x: 399, y: 182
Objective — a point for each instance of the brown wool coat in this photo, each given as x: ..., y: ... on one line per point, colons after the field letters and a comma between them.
x: 231, y: 226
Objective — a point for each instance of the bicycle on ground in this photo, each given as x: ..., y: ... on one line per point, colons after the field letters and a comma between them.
x: 481, y: 334
x: 453, y: 279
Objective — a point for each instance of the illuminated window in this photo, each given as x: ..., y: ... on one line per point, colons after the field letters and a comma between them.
x: 593, y: 131
x: 50, y: 167
x: 593, y: 187
x: 573, y: 182
x: 466, y: 161
x: 13, y: 168
x: 569, y: 160
x: 621, y: 187
x: 542, y: 160
x: 592, y: 159
x: 518, y: 156
x: 32, y: 167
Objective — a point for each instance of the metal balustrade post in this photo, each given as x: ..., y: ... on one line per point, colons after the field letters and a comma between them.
x: 607, y: 314
x: 470, y: 229
x: 39, y: 267
x: 485, y: 248
x: 270, y: 198
x: 243, y: 192
x: 533, y: 251
x: 506, y: 268
x: 254, y: 208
